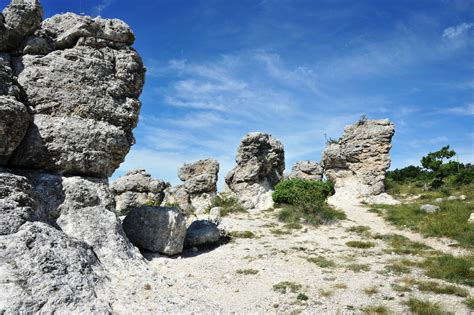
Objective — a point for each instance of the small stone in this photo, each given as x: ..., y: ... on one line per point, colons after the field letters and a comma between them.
x: 429, y: 208
x: 471, y: 218
x: 439, y: 199
x: 462, y: 197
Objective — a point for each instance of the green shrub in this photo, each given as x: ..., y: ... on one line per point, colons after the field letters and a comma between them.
x: 227, y: 204
x: 424, y: 307
x: 360, y: 244
x: 304, y: 199
x: 285, y: 286
x: 298, y: 191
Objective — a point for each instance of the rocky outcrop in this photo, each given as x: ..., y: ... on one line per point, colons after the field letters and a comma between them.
x: 69, y: 90
x: 260, y: 165
x: 83, y: 81
x: 157, y: 229
x: 198, y: 188
x: 357, y: 163
x: 307, y: 170
x: 136, y: 189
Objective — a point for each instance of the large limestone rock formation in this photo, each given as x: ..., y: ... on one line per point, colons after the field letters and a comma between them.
x: 358, y: 162
x: 69, y: 90
x: 198, y: 188
x: 82, y: 79
x: 307, y: 170
x: 136, y: 189
x: 260, y: 165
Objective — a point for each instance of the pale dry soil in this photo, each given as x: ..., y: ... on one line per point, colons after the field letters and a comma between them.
x: 207, y: 281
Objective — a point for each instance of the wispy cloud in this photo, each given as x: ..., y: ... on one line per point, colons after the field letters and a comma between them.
x: 104, y: 4
x: 467, y: 110
x: 456, y: 31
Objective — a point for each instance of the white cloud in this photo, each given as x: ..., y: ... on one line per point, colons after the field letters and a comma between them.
x: 455, y: 31
x: 104, y: 4
x: 467, y: 110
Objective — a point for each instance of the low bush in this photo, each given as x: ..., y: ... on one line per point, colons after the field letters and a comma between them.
x: 424, y: 307
x: 450, y: 268
x: 305, y: 200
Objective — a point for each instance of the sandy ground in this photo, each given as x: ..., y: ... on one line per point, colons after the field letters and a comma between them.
x: 208, y: 281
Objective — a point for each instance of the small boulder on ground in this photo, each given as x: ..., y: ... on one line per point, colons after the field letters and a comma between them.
x: 157, y: 229
x: 471, y: 218
x: 429, y: 208
x: 201, y: 232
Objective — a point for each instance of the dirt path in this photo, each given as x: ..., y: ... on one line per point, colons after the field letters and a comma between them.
x: 239, y: 277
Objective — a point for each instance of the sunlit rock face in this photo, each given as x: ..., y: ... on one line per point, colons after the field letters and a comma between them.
x: 199, y: 185
x: 260, y: 165
x: 357, y: 163
x: 69, y: 89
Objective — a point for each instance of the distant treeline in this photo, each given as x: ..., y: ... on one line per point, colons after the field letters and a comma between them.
x: 436, y: 171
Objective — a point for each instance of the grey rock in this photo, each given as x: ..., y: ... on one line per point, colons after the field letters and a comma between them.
x: 471, y: 218
x: 260, y: 165
x: 199, y: 185
x: 14, y: 121
x: 17, y: 205
x: 358, y: 162
x: 66, y: 29
x: 84, y: 95
x: 307, y: 170
x: 201, y: 232
x: 462, y: 197
x: 135, y: 189
x: 429, y: 208
x: 72, y: 146
x: 82, y: 207
x: 20, y: 19
x: 157, y: 229
x: 45, y: 271
x: 215, y: 211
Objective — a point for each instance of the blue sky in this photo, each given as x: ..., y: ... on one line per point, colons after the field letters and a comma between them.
x: 298, y: 70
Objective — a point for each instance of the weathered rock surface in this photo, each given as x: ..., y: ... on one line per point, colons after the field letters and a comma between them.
x: 198, y: 188
x: 157, y: 229
x: 201, y: 232
x: 69, y: 91
x: 136, y: 189
x: 471, y: 218
x: 260, y: 165
x: 44, y: 270
x: 307, y: 170
x: 18, y: 20
x: 83, y: 80
x: 358, y: 162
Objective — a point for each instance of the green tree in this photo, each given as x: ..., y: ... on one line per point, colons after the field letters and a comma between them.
x: 433, y: 162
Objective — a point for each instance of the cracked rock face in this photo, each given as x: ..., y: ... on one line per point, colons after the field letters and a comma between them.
x: 260, y: 165
x: 83, y: 80
x: 198, y: 188
x: 307, y: 170
x: 136, y: 189
x: 358, y: 162
x: 69, y: 89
